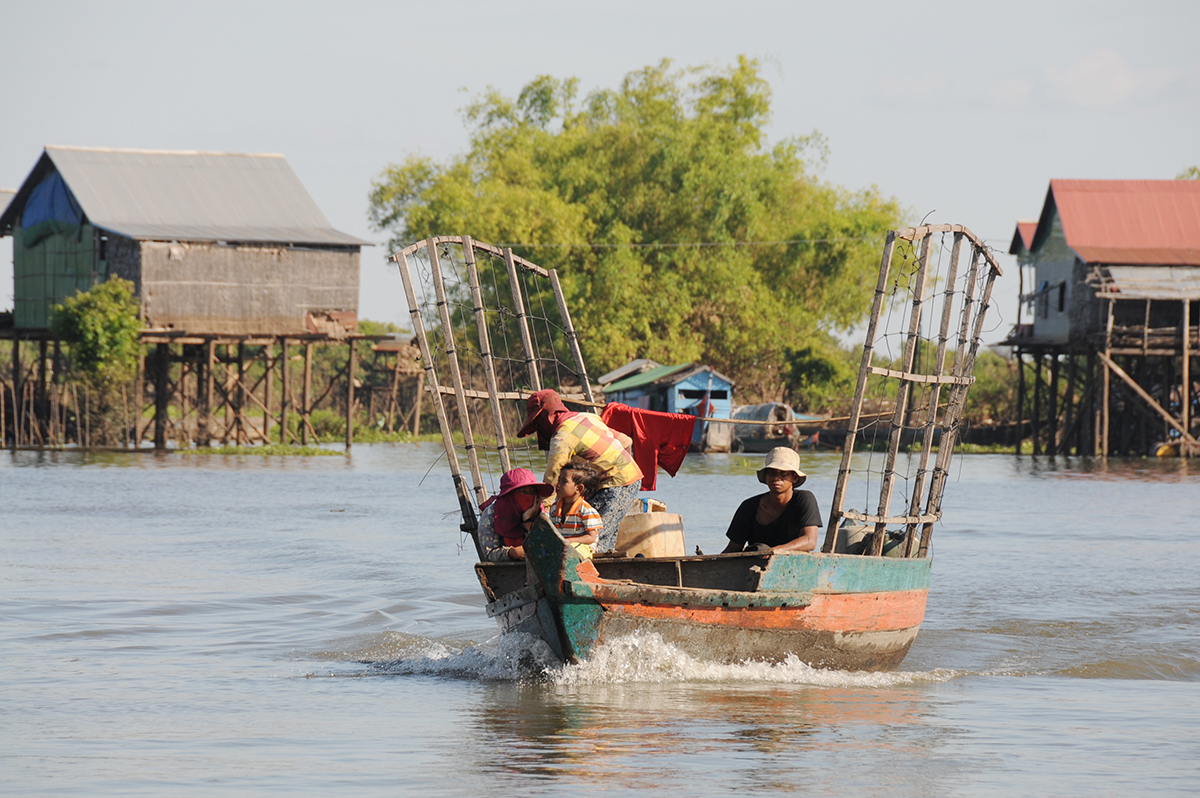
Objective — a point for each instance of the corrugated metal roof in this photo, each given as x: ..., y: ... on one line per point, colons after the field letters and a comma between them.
x: 1023, y: 237
x: 1127, y: 221
x: 192, y: 196
x: 1151, y: 282
x: 645, y: 378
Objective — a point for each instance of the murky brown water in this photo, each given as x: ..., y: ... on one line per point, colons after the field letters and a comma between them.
x: 234, y: 626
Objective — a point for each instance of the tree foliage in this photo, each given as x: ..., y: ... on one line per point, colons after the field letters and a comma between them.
x: 663, y: 207
x: 1191, y: 173
x: 101, y: 326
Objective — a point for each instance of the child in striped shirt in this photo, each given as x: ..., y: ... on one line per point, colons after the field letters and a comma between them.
x: 577, y: 520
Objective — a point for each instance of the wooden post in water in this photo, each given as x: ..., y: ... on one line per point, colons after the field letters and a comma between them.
x: 268, y: 379
x: 285, y: 390
x: 41, y: 402
x: 1036, y: 416
x: 306, y: 397
x: 1020, y: 353
x: 1052, y: 446
x: 1186, y: 376
x: 350, y: 396
x: 162, y: 365
x: 17, y: 389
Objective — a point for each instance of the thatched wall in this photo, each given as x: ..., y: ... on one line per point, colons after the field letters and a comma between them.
x: 241, y: 290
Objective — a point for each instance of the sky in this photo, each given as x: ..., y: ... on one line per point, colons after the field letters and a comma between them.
x: 962, y: 111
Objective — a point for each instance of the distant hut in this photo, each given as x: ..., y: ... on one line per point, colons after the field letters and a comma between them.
x: 215, y: 243
x: 688, y: 388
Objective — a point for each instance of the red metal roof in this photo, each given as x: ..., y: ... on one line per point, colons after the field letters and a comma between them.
x: 1023, y: 236
x: 1127, y: 221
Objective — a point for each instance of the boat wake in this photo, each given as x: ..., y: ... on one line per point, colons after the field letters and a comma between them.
x: 637, y: 658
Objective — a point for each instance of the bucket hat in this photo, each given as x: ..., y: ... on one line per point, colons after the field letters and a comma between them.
x: 519, y: 478
x: 781, y: 458
x: 545, y: 400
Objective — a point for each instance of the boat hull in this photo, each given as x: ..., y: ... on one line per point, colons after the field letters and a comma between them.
x: 828, y: 610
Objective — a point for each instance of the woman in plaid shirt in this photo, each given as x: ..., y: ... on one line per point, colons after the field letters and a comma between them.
x: 566, y: 435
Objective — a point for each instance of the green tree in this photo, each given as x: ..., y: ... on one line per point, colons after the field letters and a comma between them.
x: 1191, y: 173
x: 101, y: 327
x: 679, y: 233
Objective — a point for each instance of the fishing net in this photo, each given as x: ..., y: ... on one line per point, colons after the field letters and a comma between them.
x: 934, y: 288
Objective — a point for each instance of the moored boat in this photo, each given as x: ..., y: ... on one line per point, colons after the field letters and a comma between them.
x: 857, y: 604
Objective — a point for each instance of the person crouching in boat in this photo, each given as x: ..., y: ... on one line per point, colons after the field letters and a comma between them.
x: 508, y: 515
x: 783, y: 518
x: 565, y: 435
x: 577, y: 521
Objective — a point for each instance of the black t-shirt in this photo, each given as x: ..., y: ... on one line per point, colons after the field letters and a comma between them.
x: 800, y: 512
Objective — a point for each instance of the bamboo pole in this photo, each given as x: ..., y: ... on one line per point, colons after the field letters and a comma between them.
x: 902, y: 392
x: 839, y: 491
x: 958, y: 400
x: 485, y: 351
x: 460, y: 397
x: 573, y: 338
x: 531, y: 364
x: 922, y: 476
x: 470, y: 523
x: 416, y: 422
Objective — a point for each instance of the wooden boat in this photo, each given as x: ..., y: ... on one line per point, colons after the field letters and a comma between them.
x: 857, y: 604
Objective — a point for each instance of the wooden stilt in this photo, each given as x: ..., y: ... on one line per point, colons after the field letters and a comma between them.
x: 139, y: 399
x: 306, y: 397
x: 1036, y: 416
x: 393, y: 395
x: 285, y: 390
x: 268, y: 382
x: 17, y: 389
x: 41, y: 402
x: 416, y: 422
x: 1020, y: 354
x: 350, y: 367
x: 1185, y: 395
x: 1052, y: 445
x: 162, y: 363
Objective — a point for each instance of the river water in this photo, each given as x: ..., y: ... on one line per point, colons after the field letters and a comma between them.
x: 312, y: 626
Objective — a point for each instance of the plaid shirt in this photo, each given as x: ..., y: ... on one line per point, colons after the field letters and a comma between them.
x: 584, y: 434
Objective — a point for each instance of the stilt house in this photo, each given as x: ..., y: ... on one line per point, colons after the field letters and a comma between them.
x: 215, y: 243
x: 1110, y: 274
x: 688, y: 388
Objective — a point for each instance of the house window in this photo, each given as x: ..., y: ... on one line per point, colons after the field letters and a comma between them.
x: 1062, y: 296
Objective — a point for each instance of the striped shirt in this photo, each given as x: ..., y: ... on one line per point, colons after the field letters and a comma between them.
x: 585, y: 435
x: 581, y: 519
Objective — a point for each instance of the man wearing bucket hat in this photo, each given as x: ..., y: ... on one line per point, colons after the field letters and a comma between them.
x: 507, y: 516
x: 564, y: 435
x: 782, y: 519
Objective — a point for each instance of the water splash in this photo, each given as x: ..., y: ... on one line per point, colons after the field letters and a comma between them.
x: 639, y: 658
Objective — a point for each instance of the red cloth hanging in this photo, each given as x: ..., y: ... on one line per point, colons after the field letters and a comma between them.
x: 659, y: 439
